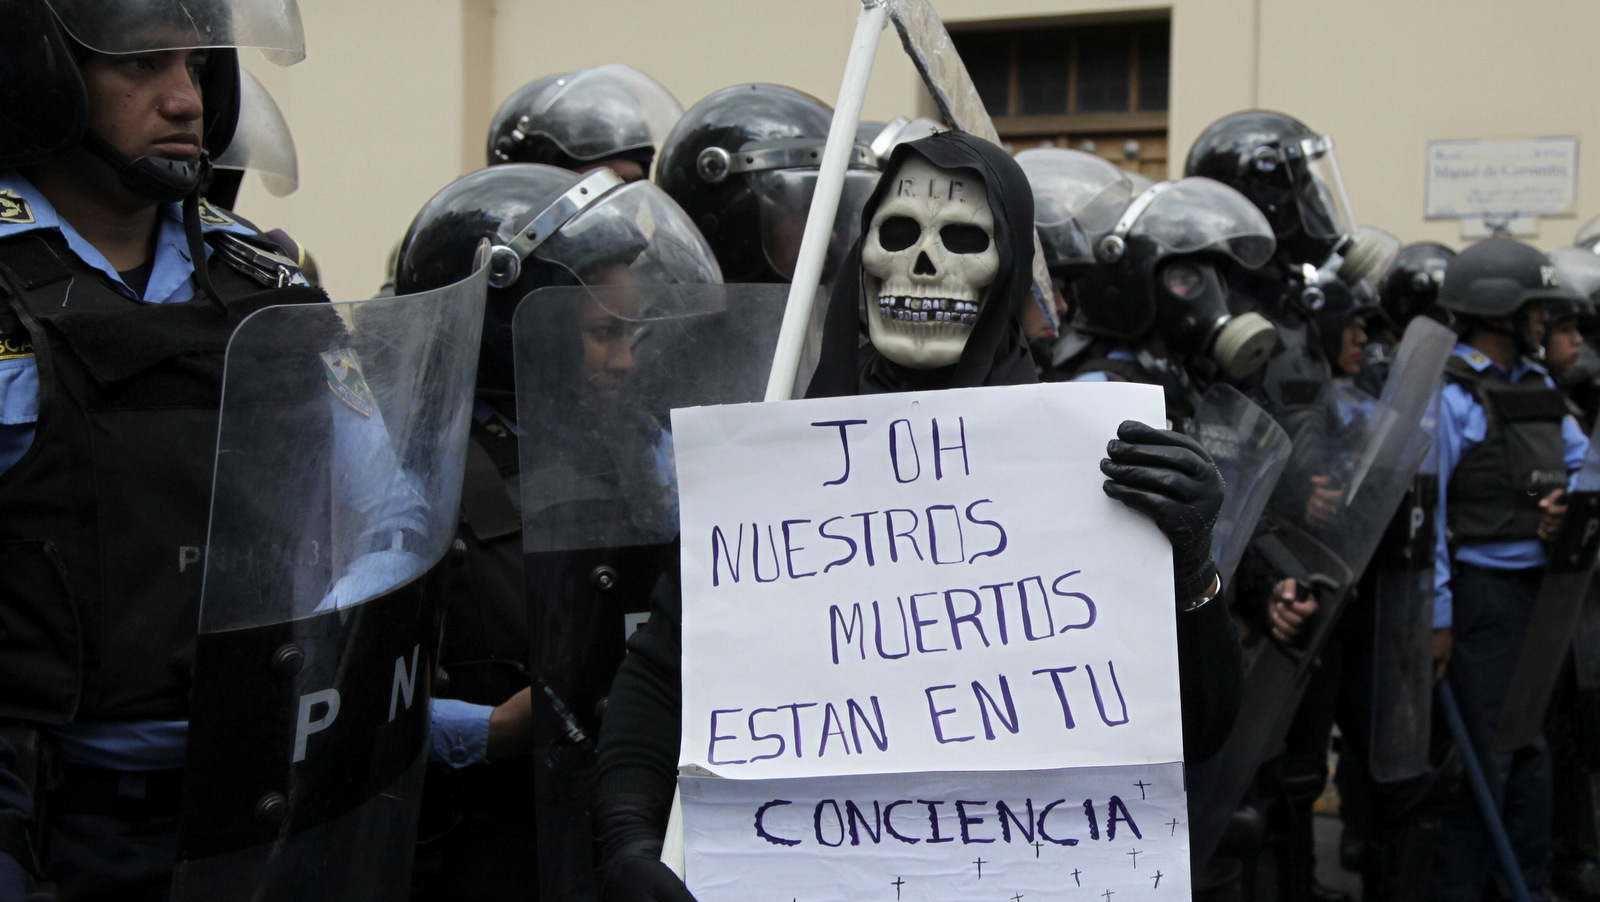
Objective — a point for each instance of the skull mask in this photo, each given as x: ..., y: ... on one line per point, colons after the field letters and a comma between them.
x: 927, y: 259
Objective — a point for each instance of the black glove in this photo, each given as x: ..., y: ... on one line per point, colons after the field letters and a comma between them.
x: 629, y: 828
x: 1168, y: 477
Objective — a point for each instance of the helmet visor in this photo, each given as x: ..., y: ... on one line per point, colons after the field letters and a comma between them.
x: 1198, y: 215
x: 634, y: 235
x: 785, y: 199
x: 145, y: 26
x: 597, y: 113
x: 262, y: 142
x: 1578, y: 270
x: 1319, y: 189
x: 1077, y: 200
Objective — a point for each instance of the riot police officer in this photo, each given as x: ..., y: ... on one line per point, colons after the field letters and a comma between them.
x: 1506, y: 446
x: 480, y: 833
x: 117, y: 112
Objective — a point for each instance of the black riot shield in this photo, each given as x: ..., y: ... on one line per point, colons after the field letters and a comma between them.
x: 1557, y: 612
x: 1365, y: 460
x: 339, y: 462
x: 598, y: 371
x: 1250, y: 450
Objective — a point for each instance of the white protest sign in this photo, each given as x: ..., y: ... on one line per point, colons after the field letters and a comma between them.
x: 1521, y: 177
x: 920, y: 582
x: 1101, y: 833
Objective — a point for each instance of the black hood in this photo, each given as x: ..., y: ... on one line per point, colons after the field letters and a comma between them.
x: 996, y: 352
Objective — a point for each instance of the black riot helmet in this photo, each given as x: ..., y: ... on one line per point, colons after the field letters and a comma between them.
x: 1588, y: 237
x: 1158, y: 273
x: 1288, y: 171
x: 575, y: 119
x: 43, y: 104
x: 1411, y: 286
x: 1077, y: 199
x: 743, y: 164
x: 1499, y: 278
x: 547, y: 227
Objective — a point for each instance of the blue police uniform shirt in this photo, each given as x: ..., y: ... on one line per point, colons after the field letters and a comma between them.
x: 1463, y: 424
x: 459, y: 731
x: 1119, y: 352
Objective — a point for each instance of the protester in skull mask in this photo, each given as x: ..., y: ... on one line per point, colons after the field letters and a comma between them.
x: 944, y: 343
x: 479, y: 828
x: 613, y: 116
x: 1499, y: 506
x: 743, y: 164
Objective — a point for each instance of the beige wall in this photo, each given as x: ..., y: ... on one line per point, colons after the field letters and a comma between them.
x: 395, y: 96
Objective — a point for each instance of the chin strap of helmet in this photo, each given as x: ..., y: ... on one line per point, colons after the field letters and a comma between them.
x: 155, y: 177
x: 1521, y: 332
x: 197, y: 245
x: 166, y: 181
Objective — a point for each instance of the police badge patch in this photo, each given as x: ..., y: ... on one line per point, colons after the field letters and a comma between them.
x: 14, y: 208
x: 348, y: 382
x: 212, y: 216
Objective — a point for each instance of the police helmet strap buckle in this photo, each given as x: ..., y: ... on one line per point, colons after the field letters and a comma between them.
x: 1113, y: 246
x: 548, y: 221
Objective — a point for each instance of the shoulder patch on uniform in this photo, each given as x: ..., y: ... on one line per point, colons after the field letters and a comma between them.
x: 348, y: 382
x: 14, y: 208
x: 1477, y: 359
x: 13, y: 346
x: 212, y: 216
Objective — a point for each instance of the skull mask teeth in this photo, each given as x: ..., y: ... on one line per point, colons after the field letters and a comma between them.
x: 928, y: 257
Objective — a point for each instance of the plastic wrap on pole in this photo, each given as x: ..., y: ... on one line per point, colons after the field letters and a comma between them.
x: 825, y: 201
x: 928, y: 44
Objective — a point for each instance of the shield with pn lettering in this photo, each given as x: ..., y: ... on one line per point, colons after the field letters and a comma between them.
x: 340, y: 453
x: 598, y: 371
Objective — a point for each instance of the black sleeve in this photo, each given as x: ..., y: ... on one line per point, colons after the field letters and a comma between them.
x: 1210, y: 677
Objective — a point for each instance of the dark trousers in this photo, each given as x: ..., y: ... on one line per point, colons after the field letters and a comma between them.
x: 1339, y: 692
x: 113, y: 836
x: 1492, y: 610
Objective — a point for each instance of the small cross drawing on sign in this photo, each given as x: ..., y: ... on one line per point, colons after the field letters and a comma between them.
x: 898, y: 882
x: 1142, y: 787
x: 1075, y: 873
x: 1157, y: 879
x: 1174, y: 825
x: 980, y: 863
x: 1037, y: 845
x: 1017, y: 898
x: 1135, y: 854
x: 1107, y: 895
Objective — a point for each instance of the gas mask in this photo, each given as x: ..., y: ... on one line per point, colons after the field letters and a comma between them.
x: 927, y: 262
x: 1192, y: 315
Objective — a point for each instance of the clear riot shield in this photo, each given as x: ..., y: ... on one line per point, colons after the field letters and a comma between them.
x: 1250, y: 450
x: 1330, y: 510
x: 1557, y: 612
x: 1402, y: 643
x: 340, y: 452
x: 598, y: 371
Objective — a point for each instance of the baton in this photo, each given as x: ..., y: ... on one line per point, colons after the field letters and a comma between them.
x: 1480, y: 791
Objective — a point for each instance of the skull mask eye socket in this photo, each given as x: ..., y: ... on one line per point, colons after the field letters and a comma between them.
x: 964, y: 239
x: 898, y: 233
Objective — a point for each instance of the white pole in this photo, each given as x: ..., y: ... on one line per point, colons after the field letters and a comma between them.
x: 825, y: 201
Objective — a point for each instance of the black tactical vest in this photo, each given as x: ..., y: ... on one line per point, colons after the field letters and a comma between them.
x: 103, y: 519
x: 1495, y: 490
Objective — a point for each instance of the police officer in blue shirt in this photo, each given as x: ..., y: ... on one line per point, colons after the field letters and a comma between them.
x: 111, y: 344
x: 1506, y: 448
